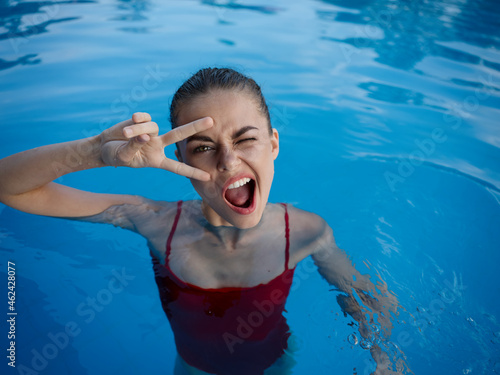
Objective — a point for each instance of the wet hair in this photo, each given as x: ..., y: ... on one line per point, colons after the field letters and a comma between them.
x: 208, y: 79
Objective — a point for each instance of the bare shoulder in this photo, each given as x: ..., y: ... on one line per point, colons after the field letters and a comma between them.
x: 305, y: 223
x: 308, y: 232
x: 143, y: 213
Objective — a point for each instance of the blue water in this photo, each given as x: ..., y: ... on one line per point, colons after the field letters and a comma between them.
x: 388, y: 118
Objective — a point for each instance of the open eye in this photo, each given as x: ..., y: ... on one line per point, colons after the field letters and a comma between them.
x: 202, y: 148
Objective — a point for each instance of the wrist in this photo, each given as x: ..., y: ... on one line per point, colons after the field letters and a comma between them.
x: 88, y: 151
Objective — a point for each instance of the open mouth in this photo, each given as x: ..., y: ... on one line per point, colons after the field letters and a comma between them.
x: 240, y: 194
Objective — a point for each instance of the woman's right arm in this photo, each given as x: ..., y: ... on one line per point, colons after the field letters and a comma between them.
x: 26, y: 178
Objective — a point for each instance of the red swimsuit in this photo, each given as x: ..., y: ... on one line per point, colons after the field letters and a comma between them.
x: 226, y: 331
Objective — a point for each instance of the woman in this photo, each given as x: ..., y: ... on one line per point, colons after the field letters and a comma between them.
x: 223, y: 264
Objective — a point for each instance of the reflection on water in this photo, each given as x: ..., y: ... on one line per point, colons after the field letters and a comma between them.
x: 363, y: 81
x: 133, y: 11
x: 236, y: 5
x: 402, y: 33
x: 29, y: 59
x: 409, y: 69
x: 26, y: 19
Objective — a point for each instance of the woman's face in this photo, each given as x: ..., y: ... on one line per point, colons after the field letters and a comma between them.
x: 238, y: 152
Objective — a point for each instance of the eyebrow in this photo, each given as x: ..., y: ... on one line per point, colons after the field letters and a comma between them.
x: 236, y: 134
x: 243, y: 130
x: 201, y: 138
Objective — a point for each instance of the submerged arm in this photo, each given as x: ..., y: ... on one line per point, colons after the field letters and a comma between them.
x: 371, y: 305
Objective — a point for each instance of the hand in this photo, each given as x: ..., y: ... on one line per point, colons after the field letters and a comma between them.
x: 135, y: 143
x: 393, y: 364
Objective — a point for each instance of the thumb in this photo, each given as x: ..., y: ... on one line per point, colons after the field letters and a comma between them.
x: 128, y: 150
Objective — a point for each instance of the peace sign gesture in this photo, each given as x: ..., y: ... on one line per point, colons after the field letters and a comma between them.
x: 136, y: 143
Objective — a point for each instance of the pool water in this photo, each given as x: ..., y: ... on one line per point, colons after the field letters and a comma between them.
x: 388, y: 118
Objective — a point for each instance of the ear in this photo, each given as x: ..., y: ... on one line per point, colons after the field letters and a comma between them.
x: 275, y: 144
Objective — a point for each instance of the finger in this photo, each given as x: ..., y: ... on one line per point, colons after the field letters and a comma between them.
x: 184, y: 170
x: 127, y: 151
x: 141, y: 117
x: 122, y: 124
x: 134, y: 130
x: 185, y: 131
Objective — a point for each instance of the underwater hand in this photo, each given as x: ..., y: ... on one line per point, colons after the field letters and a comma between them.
x: 136, y: 143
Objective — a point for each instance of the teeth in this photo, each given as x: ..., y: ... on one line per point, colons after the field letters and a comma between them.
x: 239, y: 183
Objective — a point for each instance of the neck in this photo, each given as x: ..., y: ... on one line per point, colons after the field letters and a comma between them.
x: 211, y: 216
x: 226, y: 233
x: 229, y: 237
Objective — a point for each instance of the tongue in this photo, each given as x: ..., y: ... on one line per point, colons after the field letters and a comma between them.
x: 238, y: 196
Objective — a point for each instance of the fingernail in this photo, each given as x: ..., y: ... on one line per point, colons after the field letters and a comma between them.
x: 127, y: 132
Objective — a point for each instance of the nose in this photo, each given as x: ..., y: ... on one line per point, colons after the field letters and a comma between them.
x: 228, y: 160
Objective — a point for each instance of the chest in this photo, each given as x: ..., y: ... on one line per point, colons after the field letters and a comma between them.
x: 228, y: 259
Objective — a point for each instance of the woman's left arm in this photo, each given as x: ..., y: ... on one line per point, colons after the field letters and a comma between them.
x: 361, y: 296
x: 371, y: 305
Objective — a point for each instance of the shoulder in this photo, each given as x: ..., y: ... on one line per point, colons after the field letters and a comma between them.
x: 148, y: 211
x: 308, y: 233
x: 305, y: 224
x: 132, y: 216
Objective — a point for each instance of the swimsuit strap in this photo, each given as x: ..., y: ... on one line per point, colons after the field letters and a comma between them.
x: 287, y: 237
x: 174, y: 227
x: 176, y: 221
